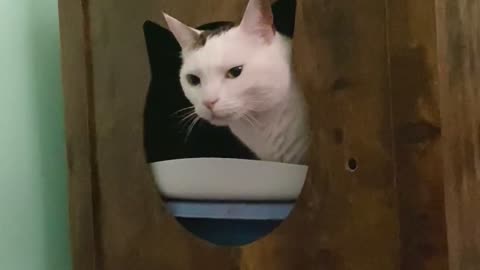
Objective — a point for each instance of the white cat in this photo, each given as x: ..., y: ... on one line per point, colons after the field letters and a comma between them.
x: 241, y: 77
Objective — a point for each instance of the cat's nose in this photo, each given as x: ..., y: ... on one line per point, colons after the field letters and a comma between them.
x: 210, y: 103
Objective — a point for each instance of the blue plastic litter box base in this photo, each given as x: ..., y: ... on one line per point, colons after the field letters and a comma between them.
x: 230, y: 223
x: 225, y: 232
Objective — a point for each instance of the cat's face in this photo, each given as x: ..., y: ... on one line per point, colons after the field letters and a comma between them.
x: 235, y: 73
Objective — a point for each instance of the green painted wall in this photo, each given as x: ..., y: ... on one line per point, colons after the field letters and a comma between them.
x: 33, y: 197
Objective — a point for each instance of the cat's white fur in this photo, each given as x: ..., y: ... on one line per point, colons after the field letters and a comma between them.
x: 263, y: 106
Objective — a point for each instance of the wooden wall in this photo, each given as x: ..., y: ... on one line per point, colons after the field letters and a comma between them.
x: 417, y: 133
x: 458, y: 24
x: 391, y: 85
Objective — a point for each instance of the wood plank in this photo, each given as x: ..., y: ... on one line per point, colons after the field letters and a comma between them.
x: 417, y: 126
x: 76, y: 76
x: 458, y: 27
x: 137, y: 232
x: 345, y: 219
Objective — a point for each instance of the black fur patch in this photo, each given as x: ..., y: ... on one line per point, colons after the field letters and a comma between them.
x: 206, y: 34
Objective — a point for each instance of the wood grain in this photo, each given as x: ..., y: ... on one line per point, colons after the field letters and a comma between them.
x: 392, y: 85
x: 344, y: 220
x: 417, y: 125
x: 458, y: 24
x: 137, y: 233
x: 80, y: 136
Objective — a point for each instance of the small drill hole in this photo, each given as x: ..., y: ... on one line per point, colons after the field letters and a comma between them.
x: 352, y: 165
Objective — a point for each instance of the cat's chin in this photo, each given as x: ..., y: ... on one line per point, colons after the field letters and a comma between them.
x: 218, y: 122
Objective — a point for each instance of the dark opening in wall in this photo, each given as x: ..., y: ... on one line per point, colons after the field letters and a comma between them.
x: 224, y: 219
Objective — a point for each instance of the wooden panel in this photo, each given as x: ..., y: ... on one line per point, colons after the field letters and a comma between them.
x: 344, y: 220
x: 458, y: 27
x: 418, y: 146
x: 137, y: 232
x: 79, y: 131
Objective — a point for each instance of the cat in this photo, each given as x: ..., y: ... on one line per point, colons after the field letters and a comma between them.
x: 241, y: 76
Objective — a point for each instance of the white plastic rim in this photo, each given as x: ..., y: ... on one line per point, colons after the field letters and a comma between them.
x: 228, y: 179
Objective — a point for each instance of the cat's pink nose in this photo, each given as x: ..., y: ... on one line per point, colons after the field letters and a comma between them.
x: 210, y: 103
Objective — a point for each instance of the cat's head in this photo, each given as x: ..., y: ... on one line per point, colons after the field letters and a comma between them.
x: 234, y: 72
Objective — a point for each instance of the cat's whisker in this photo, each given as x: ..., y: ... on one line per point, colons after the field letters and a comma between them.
x: 182, y: 110
x: 187, y: 119
x: 257, y: 123
x: 184, y: 114
x: 246, y: 118
x: 253, y: 123
x: 255, y: 120
x: 190, y: 128
x: 185, y: 123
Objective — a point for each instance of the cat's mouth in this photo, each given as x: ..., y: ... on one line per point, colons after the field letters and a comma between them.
x: 217, y: 118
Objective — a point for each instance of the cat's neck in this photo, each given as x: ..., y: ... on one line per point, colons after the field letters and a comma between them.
x: 289, y: 106
x: 278, y: 134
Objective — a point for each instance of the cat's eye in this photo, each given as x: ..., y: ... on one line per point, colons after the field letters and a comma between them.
x: 234, y: 72
x: 193, y: 79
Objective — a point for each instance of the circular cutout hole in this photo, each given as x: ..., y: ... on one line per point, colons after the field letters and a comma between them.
x: 352, y: 165
x: 213, y: 185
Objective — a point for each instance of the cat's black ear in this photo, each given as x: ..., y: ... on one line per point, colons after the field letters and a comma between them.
x: 258, y: 19
x: 284, y: 16
x: 185, y: 35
